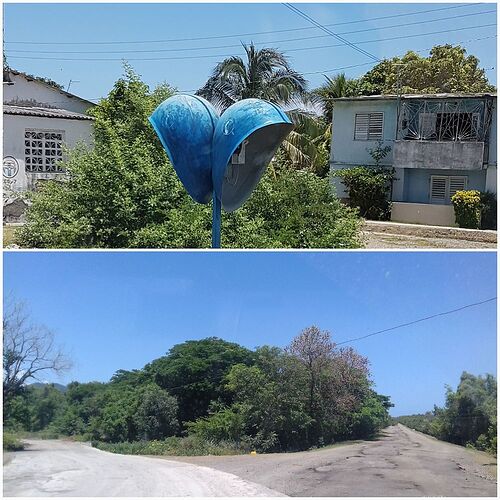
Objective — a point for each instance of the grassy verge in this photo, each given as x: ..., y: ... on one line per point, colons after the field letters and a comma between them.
x: 11, y: 442
x: 176, y: 446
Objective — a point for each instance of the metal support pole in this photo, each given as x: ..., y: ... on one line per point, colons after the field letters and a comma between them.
x: 216, y: 216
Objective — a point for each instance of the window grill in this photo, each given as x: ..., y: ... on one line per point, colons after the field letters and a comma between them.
x: 43, y: 150
x: 445, y: 120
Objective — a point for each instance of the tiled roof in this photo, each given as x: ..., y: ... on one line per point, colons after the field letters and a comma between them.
x: 9, y: 109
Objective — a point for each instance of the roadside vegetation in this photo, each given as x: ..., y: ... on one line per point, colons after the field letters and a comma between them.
x: 215, y: 397
x: 125, y: 194
x: 469, y: 417
x: 11, y: 442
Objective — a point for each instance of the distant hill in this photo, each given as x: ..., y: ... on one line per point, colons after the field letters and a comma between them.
x: 40, y: 385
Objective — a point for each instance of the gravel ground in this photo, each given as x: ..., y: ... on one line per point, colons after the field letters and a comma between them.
x: 387, y: 240
x: 401, y: 463
x: 54, y: 468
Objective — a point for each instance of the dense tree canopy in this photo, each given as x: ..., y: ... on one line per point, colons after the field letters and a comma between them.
x: 193, y: 372
x: 448, y: 68
x: 469, y: 416
x: 217, y: 392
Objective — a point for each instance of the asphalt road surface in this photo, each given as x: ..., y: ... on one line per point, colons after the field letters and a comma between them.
x: 61, y: 468
x: 402, y: 463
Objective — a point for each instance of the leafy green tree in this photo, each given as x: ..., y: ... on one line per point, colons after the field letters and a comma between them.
x: 372, y: 416
x: 156, y: 416
x: 335, y: 87
x: 469, y: 414
x: 193, y: 372
x: 448, y: 68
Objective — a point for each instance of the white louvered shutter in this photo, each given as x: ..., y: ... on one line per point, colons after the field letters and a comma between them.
x: 368, y: 126
x: 458, y: 183
x: 376, y: 126
x: 361, y: 126
x: 438, y: 189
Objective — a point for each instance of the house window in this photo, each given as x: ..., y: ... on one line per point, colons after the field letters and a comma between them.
x: 368, y: 126
x: 42, y: 150
x: 443, y: 187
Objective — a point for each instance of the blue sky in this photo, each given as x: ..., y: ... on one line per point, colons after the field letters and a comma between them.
x: 49, y: 27
x: 120, y: 310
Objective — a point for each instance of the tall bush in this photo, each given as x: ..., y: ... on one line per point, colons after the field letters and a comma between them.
x: 369, y: 190
x: 488, y: 210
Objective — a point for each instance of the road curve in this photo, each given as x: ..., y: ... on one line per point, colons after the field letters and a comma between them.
x: 401, y: 463
x: 62, y: 468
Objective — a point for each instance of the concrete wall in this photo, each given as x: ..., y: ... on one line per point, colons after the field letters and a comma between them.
x: 423, y: 213
x: 439, y: 155
x: 40, y: 95
x: 13, y: 144
x: 345, y: 150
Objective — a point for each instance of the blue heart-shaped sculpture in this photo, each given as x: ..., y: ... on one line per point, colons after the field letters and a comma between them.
x: 227, y: 154
x: 246, y: 138
x: 185, y: 125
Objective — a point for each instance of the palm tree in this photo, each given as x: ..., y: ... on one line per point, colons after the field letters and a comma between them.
x: 266, y: 74
x: 338, y: 86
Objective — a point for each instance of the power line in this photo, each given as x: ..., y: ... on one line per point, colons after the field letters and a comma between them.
x: 401, y: 55
x: 402, y: 37
x: 332, y: 70
x: 331, y: 33
x: 228, y: 55
x: 186, y: 49
x: 419, y: 320
x: 237, y: 35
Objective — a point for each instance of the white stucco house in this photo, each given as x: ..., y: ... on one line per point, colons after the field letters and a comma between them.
x: 440, y: 144
x: 38, y: 120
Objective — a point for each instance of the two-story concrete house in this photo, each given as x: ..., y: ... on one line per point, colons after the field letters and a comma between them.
x: 39, y: 121
x: 440, y: 144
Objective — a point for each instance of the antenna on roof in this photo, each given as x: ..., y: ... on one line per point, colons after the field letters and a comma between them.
x: 70, y: 82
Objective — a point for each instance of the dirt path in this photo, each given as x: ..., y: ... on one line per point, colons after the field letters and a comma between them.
x: 386, y: 240
x: 402, y: 463
x: 59, y: 468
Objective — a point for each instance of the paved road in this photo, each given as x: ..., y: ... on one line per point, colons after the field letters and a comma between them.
x: 402, y: 463
x: 59, y: 468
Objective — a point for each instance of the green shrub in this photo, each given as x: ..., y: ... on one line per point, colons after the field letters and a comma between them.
x: 225, y: 424
x: 488, y: 210
x: 11, y: 442
x: 175, y: 446
x: 369, y: 190
x: 467, y: 206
